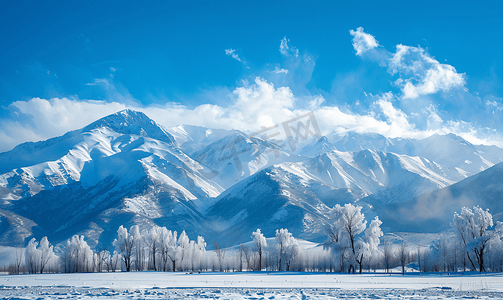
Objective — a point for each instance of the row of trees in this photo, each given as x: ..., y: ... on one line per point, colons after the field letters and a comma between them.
x: 158, y: 249
x: 351, y: 245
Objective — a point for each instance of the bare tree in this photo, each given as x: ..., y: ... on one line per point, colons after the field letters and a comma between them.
x: 403, y: 256
x: 19, y: 260
x: 241, y: 257
x: 220, y: 255
x: 387, y: 256
x: 419, y: 257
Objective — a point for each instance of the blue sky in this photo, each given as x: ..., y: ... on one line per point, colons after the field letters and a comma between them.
x: 246, y: 65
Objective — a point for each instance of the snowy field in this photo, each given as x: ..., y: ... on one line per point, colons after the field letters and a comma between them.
x: 155, y: 285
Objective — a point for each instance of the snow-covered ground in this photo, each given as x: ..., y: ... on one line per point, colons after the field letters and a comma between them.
x: 249, y: 285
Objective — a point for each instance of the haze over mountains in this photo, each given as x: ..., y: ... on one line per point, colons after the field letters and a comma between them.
x: 125, y: 169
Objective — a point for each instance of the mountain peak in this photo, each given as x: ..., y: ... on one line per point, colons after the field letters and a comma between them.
x: 317, y: 147
x: 120, y: 119
x: 129, y: 121
x: 447, y: 138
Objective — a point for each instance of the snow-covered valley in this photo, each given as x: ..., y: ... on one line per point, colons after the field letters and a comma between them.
x: 155, y: 285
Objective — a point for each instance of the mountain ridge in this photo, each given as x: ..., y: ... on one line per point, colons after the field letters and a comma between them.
x: 125, y: 169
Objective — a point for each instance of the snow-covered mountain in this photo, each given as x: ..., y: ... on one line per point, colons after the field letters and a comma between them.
x: 317, y: 147
x: 276, y: 197
x: 192, y: 138
x: 126, y: 169
x: 447, y: 150
x: 238, y: 155
x: 299, y: 195
x: 388, y: 176
x: 109, y: 170
x: 433, y: 212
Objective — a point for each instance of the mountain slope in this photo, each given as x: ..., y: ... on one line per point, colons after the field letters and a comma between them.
x: 317, y: 147
x: 447, y: 150
x: 238, y: 155
x: 106, y: 173
x: 300, y: 195
x: 433, y: 212
x: 194, y: 138
x: 271, y: 199
x: 125, y: 169
x: 388, y: 176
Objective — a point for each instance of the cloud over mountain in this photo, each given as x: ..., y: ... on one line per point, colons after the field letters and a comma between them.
x: 431, y: 98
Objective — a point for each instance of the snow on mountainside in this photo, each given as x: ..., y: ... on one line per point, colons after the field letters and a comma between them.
x: 238, y: 155
x: 354, y: 142
x: 433, y: 212
x: 317, y: 147
x: 276, y: 197
x: 125, y: 169
x: 448, y: 150
x: 194, y: 138
x: 106, y: 173
x: 299, y: 195
x: 133, y: 123
x: 123, y: 122
x: 391, y: 177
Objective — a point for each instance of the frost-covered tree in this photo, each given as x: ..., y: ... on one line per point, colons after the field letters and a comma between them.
x: 348, y: 236
x: 103, y: 260
x: 183, y: 250
x: 115, y: 261
x: 77, y: 256
x: 287, y: 248
x: 472, y: 228
x: 32, y: 256
x: 167, y: 245
x: 37, y: 258
x: 124, y: 244
x: 260, y: 243
x: 199, y: 250
x: 336, y: 239
x: 152, y: 243
x: 172, y: 249
x: 138, y: 247
x: 368, y: 244
x: 46, y: 253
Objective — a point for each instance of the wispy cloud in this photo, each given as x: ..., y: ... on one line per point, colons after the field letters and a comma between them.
x: 233, y: 54
x: 288, y: 50
x: 279, y: 71
x: 494, y: 104
x: 99, y: 81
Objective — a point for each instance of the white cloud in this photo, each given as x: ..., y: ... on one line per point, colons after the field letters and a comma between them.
x: 39, y: 119
x: 233, y: 54
x: 98, y: 81
x: 287, y: 50
x: 494, y: 104
x: 251, y: 107
x: 362, y: 41
x: 279, y: 71
x: 421, y: 74
x: 316, y: 103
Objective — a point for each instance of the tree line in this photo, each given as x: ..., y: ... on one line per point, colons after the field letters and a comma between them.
x: 351, y: 246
